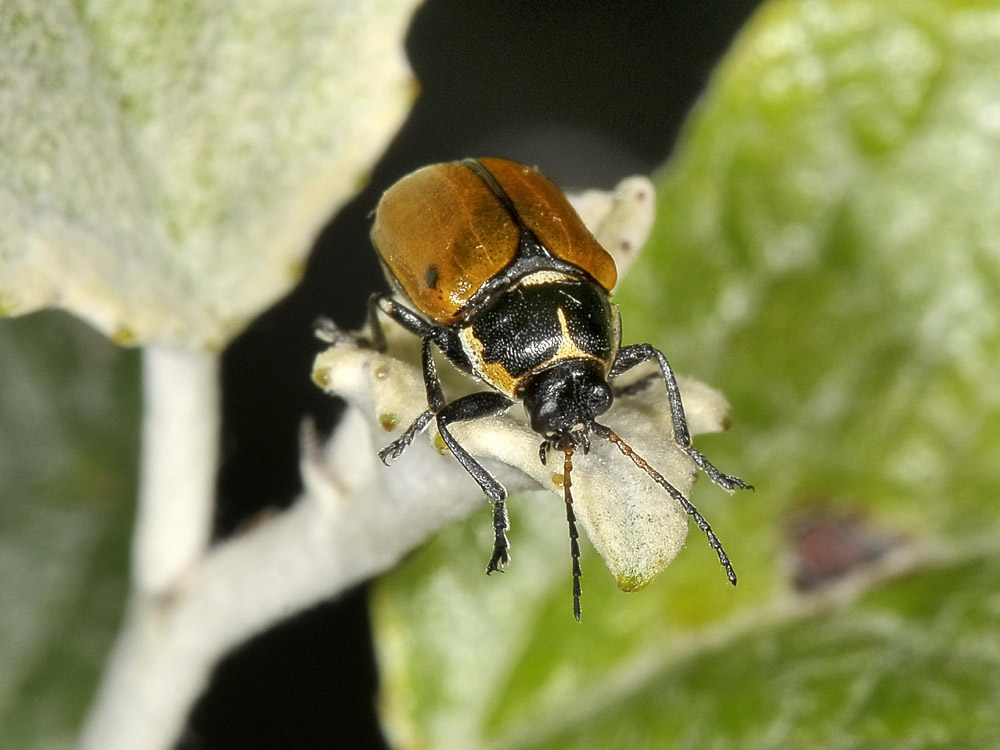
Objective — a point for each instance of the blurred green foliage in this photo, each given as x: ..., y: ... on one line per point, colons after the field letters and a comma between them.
x: 69, y: 426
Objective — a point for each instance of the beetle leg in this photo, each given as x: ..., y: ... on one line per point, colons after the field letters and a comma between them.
x: 377, y: 340
x: 639, y: 386
x: 406, y: 318
x: 475, y: 406
x: 326, y: 330
x: 501, y: 547
x: 402, y: 315
x: 432, y: 383
x: 725, y: 481
x: 395, y: 449
x: 435, y: 403
x: 630, y: 356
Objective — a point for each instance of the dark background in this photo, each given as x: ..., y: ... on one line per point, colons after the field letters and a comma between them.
x: 589, y: 92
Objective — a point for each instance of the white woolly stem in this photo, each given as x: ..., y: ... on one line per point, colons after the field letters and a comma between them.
x: 344, y: 529
x: 180, y: 438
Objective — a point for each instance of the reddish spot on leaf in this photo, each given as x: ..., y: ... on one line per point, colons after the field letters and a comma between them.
x: 828, y: 545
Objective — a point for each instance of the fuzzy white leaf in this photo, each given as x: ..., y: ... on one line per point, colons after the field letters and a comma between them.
x: 620, y: 219
x: 165, y: 167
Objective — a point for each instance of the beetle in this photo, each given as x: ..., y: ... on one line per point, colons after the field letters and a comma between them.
x: 491, y: 265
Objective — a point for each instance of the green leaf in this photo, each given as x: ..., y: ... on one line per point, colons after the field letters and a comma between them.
x: 825, y: 253
x: 892, y: 669
x: 166, y: 166
x: 69, y: 414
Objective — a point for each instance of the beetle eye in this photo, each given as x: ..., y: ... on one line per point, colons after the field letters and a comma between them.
x: 599, y: 398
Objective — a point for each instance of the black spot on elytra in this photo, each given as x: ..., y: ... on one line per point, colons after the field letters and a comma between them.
x: 431, y: 277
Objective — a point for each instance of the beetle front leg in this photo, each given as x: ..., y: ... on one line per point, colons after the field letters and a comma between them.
x: 473, y: 406
x: 476, y: 406
x: 435, y: 403
x: 395, y: 449
x: 630, y: 356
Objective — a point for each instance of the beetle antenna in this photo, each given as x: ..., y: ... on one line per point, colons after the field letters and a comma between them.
x: 574, y: 535
x: 713, y: 541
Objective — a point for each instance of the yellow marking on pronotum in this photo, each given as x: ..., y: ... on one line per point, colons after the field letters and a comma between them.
x: 493, y: 373
x: 568, y: 348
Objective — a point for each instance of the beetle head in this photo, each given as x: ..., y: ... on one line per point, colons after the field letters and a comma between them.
x: 562, y: 401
